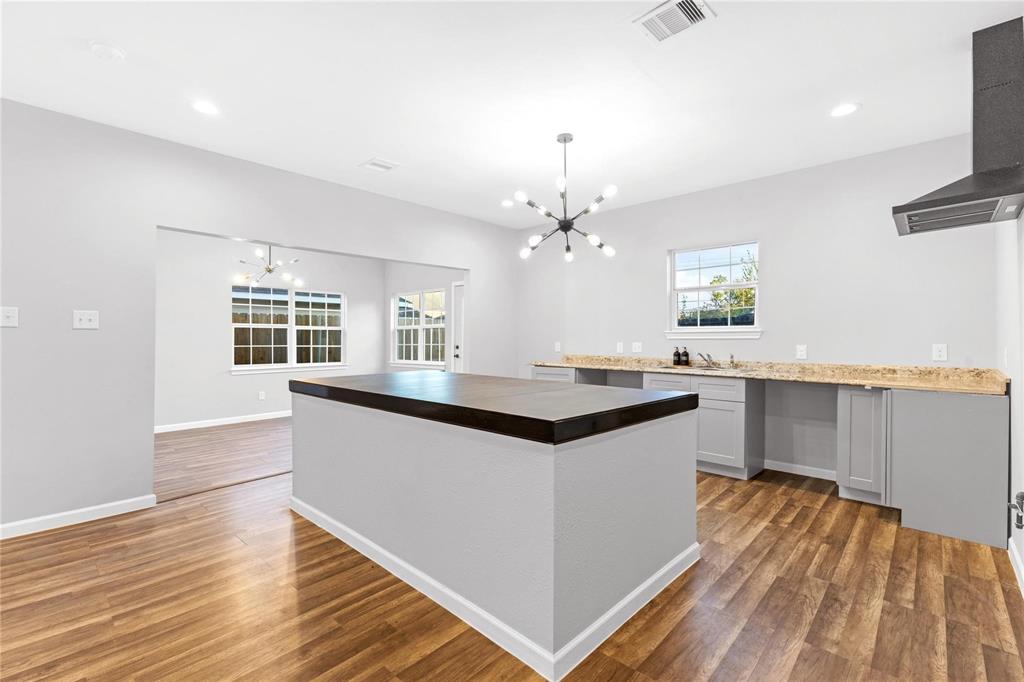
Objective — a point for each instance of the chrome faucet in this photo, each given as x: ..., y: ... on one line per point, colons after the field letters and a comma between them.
x: 707, y: 359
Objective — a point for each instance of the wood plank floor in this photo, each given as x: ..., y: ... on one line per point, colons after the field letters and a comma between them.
x: 794, y: 583
x: 197, y: 460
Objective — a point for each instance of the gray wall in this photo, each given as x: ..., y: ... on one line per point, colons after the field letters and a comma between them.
x: 82, y: 200
x: 1009, y: 334
x: 835, y: 275
x: 193, y: 326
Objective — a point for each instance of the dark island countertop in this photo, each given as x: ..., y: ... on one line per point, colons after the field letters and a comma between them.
x: 543, y: 411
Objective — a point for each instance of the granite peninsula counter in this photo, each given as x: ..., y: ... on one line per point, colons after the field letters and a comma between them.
x: 542, y: 514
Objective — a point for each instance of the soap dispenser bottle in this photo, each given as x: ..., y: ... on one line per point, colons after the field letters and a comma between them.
x: 684, y: 357
x: 677, y: 358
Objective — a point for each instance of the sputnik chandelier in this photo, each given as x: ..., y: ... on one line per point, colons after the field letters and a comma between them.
x: 565, y: 223
x: 266, y: 266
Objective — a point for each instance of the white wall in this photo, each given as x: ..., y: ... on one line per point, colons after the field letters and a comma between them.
x: 193, y: 326
x: 81, y: 202
x: 834, y: 274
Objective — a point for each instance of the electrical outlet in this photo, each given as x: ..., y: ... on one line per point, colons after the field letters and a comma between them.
x: 263, y: 395
x: 939, y: 352
x: 85, y: 319
x: 618, y: 346
x: 8, y: 316
x: 801, y: 351
x: 637, y: 347
x: 558, y: 346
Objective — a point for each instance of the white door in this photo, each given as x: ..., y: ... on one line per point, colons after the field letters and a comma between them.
x: 458, y: 309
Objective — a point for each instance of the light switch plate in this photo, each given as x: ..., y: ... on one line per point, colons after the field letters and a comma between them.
x: 801, y: 352
x: 618, y: 346
x: 558, y: 346
x: 8, y: 316
x: 85, y: 319
x: 637, y: 347
x: 939, y: 352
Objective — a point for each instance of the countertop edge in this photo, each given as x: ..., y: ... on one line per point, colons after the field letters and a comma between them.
x: 537, y: 429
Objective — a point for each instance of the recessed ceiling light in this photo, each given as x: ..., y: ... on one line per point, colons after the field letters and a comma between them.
x: 108, y: 52
x: 845, y: 109
x: 207, y: 107
x: 508, y: 203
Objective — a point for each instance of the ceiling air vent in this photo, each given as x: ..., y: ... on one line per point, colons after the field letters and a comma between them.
x: 378, y: 165
x: 670, y: 18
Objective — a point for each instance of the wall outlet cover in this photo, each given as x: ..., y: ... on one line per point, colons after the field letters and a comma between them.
x: 801, y: 352
x: 263, y: 395
x: 637, y: 347
x: 618, y: 346
x: 558, y: 346
x: 940, y: 353
x: 8, y: 316
x: 85, y: 319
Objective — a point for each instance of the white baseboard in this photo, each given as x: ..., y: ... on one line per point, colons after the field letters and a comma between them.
x: 552, y: 666
x: 184, y: 426
x: 1018, y: 563
x: 800, y: 469
x: 581, y: 646
x: 70, y: 518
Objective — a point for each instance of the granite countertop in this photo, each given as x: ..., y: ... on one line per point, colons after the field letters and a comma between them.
x: 547, y: 412
x: 947, y: 379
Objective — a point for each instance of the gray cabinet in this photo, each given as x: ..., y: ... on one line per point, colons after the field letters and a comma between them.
x: 862, y: 430
x: 667, y: 382
x: 721, y: 433
x: 950, y: 463
x: 566, y: 374
x: 730, y: 431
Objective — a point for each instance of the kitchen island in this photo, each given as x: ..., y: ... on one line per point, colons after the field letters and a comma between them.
x: 542, y: 514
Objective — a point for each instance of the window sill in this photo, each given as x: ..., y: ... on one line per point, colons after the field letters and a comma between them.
x: 715, y: 333
x: 278, y: 369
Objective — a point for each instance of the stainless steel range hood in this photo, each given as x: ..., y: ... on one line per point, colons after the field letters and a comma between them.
x: 995, y: 190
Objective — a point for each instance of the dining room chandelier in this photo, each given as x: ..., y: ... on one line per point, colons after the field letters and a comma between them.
x: 565, y: 224
x: 266, y: 266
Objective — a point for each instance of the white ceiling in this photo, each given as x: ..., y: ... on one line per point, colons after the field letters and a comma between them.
x: 468, y: 97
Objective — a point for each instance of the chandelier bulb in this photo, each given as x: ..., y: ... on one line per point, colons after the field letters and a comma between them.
x: 568, y: 254
x: 521, y: 196
x: 525, y: 252
x: 593, y: 207
x: 534, y: 239
x: 610, y: 191
x: 280, y: 263
x: 286, y: 276
x: 594, y: 240
x: 543, y: 211
x: 608, y: 250
x: 258, y: 252
x: 298, y: 283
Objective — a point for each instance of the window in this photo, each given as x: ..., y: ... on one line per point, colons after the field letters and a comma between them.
x: 714, y: 290
x: 260, y: 317
x: 419, y: 333
x: 275, y: 328
x: 318, y: 328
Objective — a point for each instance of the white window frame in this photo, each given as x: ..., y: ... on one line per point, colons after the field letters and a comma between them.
x: 250, y: 325
x: 293, y: 364
x: 720, y: 332
x: 421, y: 338
x: 296, y: 327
